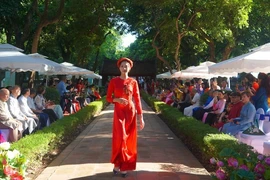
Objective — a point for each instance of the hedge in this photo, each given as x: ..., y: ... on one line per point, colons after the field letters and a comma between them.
x: 207, y: 141
x: 35, y: 146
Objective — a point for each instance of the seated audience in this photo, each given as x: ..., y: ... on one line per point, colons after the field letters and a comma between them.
x: 41, y: 103
x: 251, y: 82
x: 168, y: 98
x: 208, y: 106
x: 188, y: 111
x: 232, y: 111
x: 217, y: 109
x: 186, y: 99
x: 260, y: 96
x: 72, y: 104
x: 79, y: 86
x: 246, y: 118
x: 14, y: 108
x: 206, y: 87
x: 199, y: 86
x: 214, y: 84
x: 31, y: 103
x: 96, y: 93
x: 90, y: 93
x: 178, y: 93
x: 42, y: 117
x: 6, y: 120
x: 224, y: 86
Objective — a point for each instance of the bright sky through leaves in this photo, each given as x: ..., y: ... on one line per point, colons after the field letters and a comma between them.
x: 128, y: 39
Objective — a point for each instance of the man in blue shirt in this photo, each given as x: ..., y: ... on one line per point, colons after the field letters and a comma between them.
x: 61, y: 87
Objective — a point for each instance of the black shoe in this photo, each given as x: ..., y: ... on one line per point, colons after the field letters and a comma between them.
x: 124, y: 174
x: 115, y: 172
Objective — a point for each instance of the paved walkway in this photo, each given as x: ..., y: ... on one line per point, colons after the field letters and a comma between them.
x: 161, y: 155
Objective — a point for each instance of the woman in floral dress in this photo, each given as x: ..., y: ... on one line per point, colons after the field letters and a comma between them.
x: 123, y: 91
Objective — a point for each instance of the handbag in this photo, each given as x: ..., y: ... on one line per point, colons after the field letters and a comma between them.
x: 253, y: 130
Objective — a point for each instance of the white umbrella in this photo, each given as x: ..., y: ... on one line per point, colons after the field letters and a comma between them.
x: 9, y: 47
x: 166, y: 75
x: 55, y: 67
x: 93, y: 76
x: 258, y: 60
x: 200, y: 71
x: 74, y: 70
x: 16, y: 61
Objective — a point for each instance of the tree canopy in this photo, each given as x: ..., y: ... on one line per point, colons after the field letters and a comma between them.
x: 177, y: 33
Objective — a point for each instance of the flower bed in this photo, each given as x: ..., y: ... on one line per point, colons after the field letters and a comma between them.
x: 235, y: 165
x: 13, y: 163
x: 36, y: 146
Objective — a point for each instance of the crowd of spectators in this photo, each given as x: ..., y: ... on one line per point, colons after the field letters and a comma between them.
x: 22, y: 112
x: 217, y: 105
x: 76, y: 95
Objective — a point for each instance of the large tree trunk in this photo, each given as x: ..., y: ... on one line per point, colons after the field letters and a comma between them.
x: 180, y: 35
x: 212, y: 51
x: 211, y: 44
x: 227, y: 52
x: 44, y: 21
x: 65, y: 52
x: 36, y: 38
x: 158, y: 53
x: 95, y: 65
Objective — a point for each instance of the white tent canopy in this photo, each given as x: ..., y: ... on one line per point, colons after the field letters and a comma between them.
x: 56, y: 67
x: 17, y: 62
x: 201, y: 68
x: 200, y: 71
x: 258, y: 60
x: 9, y: 47
x: 166, y: 75
x: 93, y: 76
x: 74, y: 70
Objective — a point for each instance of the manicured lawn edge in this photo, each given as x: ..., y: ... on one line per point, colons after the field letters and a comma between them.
x: 35, y: 146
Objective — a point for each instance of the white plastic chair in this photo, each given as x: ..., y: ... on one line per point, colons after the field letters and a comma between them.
x: 256, y: 141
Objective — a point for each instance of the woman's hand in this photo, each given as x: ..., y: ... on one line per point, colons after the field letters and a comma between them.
x: 140, y: 118
x: 121, y: 101
x: 230, y: 120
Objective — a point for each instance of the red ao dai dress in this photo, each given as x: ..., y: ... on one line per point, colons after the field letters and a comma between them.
x: 124, y: 140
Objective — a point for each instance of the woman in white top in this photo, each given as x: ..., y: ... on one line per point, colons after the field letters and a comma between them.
x: 41, y: 103
x: 217, y: 109
x: 188, y: 111
x: 32, y: 105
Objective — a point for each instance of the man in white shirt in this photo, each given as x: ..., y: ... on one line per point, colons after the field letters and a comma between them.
x: 188, y: 111
x: 42, y: 118
x: 15, y: 111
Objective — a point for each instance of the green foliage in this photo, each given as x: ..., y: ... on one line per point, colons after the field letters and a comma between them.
x: 203, y: 98
x: 52, y: 94
x: 209, y: 29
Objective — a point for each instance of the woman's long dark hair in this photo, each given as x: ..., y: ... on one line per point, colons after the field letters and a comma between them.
x: 265, y: 82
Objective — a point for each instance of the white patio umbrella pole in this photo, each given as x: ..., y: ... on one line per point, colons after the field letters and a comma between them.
x: 47, y: 76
